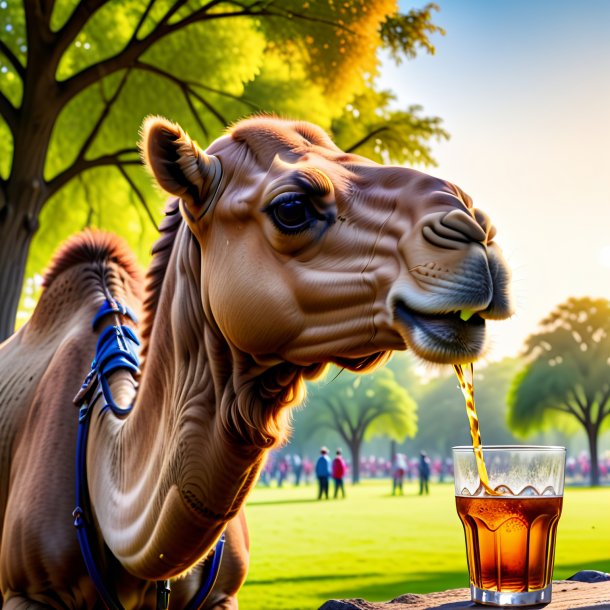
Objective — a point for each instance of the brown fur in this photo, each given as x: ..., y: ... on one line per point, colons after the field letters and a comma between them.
x: 162, y: 250
x: 92, y: 246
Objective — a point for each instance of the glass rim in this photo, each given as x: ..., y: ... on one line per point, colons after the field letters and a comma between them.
x: 470, y: 448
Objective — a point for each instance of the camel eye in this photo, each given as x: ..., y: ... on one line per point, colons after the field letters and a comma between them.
x: 292, y: 212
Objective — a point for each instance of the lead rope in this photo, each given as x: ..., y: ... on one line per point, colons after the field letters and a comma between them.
x: 116, y: 349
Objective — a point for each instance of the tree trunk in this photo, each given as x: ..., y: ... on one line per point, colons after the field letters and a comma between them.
x: 17, y: 228
x: 592, y: 431
x: 25, y: 190
x: 354, y: 448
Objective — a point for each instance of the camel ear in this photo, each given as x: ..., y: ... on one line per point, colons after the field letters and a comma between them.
x: 179, y: 166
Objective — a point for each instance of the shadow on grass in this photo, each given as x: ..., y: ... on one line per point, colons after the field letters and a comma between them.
x: 310, y: 578
x: 279, y: 502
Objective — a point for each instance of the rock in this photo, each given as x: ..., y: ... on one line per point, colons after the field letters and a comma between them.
x: 590, y: 576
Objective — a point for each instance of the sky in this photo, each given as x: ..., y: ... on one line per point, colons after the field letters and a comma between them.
x: 523, y: 87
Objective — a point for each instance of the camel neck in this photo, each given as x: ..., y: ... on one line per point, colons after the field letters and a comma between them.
x: 165, y: 480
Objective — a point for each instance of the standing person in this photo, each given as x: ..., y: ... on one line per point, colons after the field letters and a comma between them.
x: 424, y: 473
x: 307, y: 469
x: 283, y: 468
x: 297, y: 468
x: 323, y: 473
x: 339, y: 470
x: 398, y: 473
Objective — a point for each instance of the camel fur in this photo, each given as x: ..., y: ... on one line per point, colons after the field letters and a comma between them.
x: 279, y: 254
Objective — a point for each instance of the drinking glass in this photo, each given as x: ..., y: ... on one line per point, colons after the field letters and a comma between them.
x: 510, y: 537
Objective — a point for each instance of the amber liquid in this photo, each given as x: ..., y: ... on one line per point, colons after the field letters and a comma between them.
x: 510, y: 541
x: 468, y: 392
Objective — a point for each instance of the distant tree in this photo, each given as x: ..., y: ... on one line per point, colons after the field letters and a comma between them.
x: 568, y: 374
x: 443, y: 422
x: 404, y: 366
x: 78, y: 77
x: 359, y: 407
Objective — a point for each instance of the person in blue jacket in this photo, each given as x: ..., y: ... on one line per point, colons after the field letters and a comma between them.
x: 424, y: 473
x: 323, y: 473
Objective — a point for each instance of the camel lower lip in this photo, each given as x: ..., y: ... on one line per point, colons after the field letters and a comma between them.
x: 442, y: 338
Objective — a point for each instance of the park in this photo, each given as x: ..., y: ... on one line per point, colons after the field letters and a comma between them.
x: 235, y: 233
x: 408, y: 543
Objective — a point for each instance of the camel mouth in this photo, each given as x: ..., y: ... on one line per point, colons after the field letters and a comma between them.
x: 445, y: 338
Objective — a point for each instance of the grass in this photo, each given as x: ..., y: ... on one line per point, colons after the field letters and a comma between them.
x: 376, y: 546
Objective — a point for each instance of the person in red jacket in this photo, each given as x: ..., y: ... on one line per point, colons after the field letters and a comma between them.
x: 339, y: 468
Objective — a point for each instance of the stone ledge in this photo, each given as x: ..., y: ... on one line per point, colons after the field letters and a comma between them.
x: 567, y: 595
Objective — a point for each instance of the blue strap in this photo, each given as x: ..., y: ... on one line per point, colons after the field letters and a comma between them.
x: 112, y: 307
x: 116, y: 349
x: 210, y: 577
x: 81, y: 516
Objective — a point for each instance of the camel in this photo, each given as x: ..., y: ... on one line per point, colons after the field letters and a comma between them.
x: 279, y: 254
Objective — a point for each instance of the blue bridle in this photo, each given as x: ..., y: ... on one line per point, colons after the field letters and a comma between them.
x: 117, y: 348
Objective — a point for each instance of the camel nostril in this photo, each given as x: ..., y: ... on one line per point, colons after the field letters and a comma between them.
x: 465, y: 224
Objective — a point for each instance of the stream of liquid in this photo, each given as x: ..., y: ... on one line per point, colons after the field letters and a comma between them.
x: 468, y: 392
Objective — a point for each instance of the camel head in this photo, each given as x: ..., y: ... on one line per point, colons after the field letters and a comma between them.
x: 310, y: 255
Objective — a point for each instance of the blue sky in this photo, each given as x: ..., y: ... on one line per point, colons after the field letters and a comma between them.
x: 524, y: 89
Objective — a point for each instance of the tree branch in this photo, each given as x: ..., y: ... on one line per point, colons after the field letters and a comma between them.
x: 8, y: 113
x: 582, y: 405
x: 236, y: 98
x: 366, y: 138
x: 132, y: 51
x: 139, y: 195
x: 570, y: 409
x: 103, y: 115
x: 46, y: 7
x: 339, y: 422
x: 84, y: 10
x: 603, y: 403
x: 187, y: 91
x: 13, y: 59
x: 141, y: 21
x: 83, y: 165
x: 288, y: 14
x: 348, y: 420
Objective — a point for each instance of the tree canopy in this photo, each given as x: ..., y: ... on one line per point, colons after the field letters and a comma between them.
x: 566, y: 381
x: 78, y: 77
x: 359, y: 407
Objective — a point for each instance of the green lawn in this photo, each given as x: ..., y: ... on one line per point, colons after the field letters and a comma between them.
x: 376, y: 546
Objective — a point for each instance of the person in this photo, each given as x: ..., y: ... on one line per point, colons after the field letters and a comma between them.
x: 323, y: 473
x: 339, y: 468
x: 398, y: 473
x: 307, y: 469
x: 424, y: 473
x: 283, y: 468
x: 297, y: 468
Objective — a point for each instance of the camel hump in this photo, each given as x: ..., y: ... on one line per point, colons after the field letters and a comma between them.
x: 92, y: 246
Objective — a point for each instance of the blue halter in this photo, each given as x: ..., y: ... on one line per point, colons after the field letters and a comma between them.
x: 116, y: 349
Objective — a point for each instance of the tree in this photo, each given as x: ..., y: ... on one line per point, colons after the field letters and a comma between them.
x: 443, y: 422
x: 567, y: 377
x: 77, y: 78
x: 359, y: 407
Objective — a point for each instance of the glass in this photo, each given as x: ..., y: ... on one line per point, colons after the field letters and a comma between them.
x: 510, y: 537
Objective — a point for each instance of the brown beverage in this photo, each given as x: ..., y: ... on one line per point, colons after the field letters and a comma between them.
x: 473, y: 419
x: 510, y: 541
x: 510, y: 535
